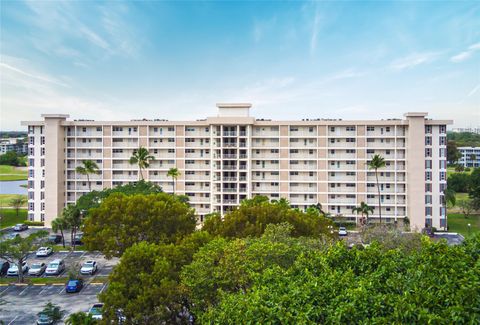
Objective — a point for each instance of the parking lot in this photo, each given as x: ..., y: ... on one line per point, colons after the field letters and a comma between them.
x: 19, y: 304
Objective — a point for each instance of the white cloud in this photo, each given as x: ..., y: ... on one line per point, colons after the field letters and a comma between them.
x: 315, y: 30
x: 413, y: 60
x: 474, y: 90
x: 5, y: 66
x: 465, y: 55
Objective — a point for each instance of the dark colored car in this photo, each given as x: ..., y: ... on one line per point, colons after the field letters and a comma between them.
x: 55, y: 239
x: 78, y: 239
x: 4, y: 266
x: 74, y: 286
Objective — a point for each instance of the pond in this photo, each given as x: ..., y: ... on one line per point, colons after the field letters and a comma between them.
x: 13, y: 187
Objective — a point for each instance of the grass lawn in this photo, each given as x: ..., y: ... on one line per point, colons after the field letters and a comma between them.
x: 10, y: 173
x: 458, y: 223
x: 451, y: 170
x: 14, y: 279
x: 9, y: 217
x: 5, y: 199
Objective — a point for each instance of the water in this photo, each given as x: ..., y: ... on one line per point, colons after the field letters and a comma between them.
x: 13, y: 187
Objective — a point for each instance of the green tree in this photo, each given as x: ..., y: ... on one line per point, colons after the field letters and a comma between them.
x: 459, y: 168
x: 174, y: 173
x: 141, y: 157
x: 453, y: 155
x: 350, y: 286
x: 121, y: 221
x: 80, y: 318
x: 365, y: 210
x: 474, y: 190
x: 73, y: 218
x: 16, y: 250
x: 467, y: 207
x: 253, y: 215
x: 152, y: 293
x: 459, y: 182
x: 60, y: 224
x: 94, y: 198
x: 17, y: 202
x: 449, y: 196
x: 10, y: 158
x: 88, y: 167
x: 53, y: 312
x: 376, y: 163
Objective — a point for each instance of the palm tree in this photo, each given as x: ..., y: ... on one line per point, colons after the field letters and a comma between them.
x: 17, y: 202
x: 60, y: 224
x: 89, y: 167
x: 80, y: 318
x: 364, y: 209
x: 376, y: 163
x: 173, y: 173
x: 142, y: 158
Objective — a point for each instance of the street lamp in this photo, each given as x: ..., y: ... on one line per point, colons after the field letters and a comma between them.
x: 469, y: 226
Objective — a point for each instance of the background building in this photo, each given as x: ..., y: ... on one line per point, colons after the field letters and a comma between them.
x: 233, y: 156
x: 470, y: 156
x: 13, y: 144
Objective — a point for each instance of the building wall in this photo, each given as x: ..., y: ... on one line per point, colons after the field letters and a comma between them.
x: 466, y: 158
x: 225, y: 159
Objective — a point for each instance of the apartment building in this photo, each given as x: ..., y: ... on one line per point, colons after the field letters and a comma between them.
x: 232, y: 156
x: 470, y: 156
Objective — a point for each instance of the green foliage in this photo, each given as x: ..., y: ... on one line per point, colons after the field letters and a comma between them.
x: 80, y: 318
x: 141, y: 157
x: 459, y: 182
x: 464, y: 139
x: 224, y: 266
x: 34, y: 223
x: 434, y: 284
x: 453, y: 155
x: 121, y: 221
x: 94, y: 198
x: 474, y: 191
x: 17, y: 202
x: 174, y: 173
x: 88, y: 167
x: 253, y: 215
x: 53, y: 312
x: 11, y: 158
x: 145, y: 284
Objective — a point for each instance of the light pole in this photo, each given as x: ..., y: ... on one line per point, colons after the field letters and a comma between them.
x: 469, y: 226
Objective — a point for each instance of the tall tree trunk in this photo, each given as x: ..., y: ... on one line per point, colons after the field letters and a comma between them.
x: 140, y: 171
x: 89, y: 184
x: 74, y: 232
x: 20, y: 271
x: 63, y: 237
x: 173, y: 179
x: 379, y: 197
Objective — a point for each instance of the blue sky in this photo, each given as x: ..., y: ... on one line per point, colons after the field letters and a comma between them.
x: 291, y: 60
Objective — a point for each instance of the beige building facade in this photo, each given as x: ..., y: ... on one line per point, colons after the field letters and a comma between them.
x: 232, y: 156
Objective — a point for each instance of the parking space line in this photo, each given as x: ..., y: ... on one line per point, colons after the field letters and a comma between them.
x: 42, y: 290
x: 61, y: 290
x: 23, y: 291
x: 6, y: 288
x: 103, y: 288
x: 13, y: 320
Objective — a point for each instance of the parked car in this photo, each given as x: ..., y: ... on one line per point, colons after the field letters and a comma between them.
x: 78, y: 239
x: 44, y: 319
x: 342, y: 231
x: 20, y: 227
x: 4, y: 266
x: 44, y: 251
x: 96, y: 311
x: 55, y: 267
x: 89, y: 267
x: 11, y: 236
x: 55, y: 239
x: 74, y: 286
x: 13, y: 269
x: 37, y: 269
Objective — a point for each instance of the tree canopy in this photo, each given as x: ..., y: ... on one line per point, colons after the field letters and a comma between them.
x: 435, y: 284
x: 121, y: 221
x: 253, y: 215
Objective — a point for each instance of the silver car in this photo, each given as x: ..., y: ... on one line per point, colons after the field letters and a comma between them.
x: 55, y: 267
x: 44, y: 251
x: 37, y: 269
x: 13, y: 270
x: 89, y: 267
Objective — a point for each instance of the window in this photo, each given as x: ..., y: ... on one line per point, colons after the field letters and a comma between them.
x: 443, y: 129
x: 443, y: 176
x: 428, y: 152
x: 387, y: 129
x: 428, y: 199
x: 99, y: 129
x: 31, y: 206
x: 42, y: 151
x: 173, y: 150
x: 350, y: 128
x: 442, y: 187
x: 428, y: 176
x: 428, y: 141
x: 332, y: 129
x: 442, y: 152
x: 428, y: 187
x: 428, y: 164
x: 428, y: 129
x: 428, y: 211
x: 350, y: 139
x: 370, y: 128
x: 442, y: 164
x: 31, y: 162
x: 443, y: 141
x: 171, y: 129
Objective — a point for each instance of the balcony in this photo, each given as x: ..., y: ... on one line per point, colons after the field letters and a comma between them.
x: 303, y: 166
x: 342, y: 189
x: 341, y: 178
x: 302, y: 144
x: 125, y: 144
x: 229, y: 133
x: 342, y: 201
x: 229, y: 156
x: 197, y: 144
x: 125, y: 177
x: 342, y: 167
x: 342, y: 144
x: 199, y: 199
x: 262, y: 188
x: 303, y: 189
x: 197, y: 188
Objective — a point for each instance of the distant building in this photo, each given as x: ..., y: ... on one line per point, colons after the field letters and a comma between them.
x: 13, y: 144
x: 469, y: 130
x: 470, y: 156
x: 233, y: 156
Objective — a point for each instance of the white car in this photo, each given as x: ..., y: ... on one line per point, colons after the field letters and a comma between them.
x: 96, y: 311
x: 89, y: 267
x: 342, y: 231
x: 37, y: 269
x: 20, y: 227
x: 55, y: 267
x: 44, y: 251
x: 13, y: 270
